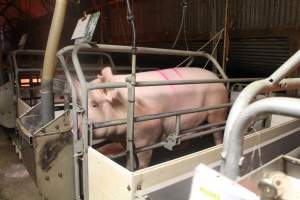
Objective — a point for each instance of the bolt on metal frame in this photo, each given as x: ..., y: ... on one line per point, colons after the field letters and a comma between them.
x: 233, y: 141
x: 84, y: 142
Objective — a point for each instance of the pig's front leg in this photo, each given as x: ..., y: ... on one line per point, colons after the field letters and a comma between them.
x: 218, y: 137
x: 144, y: 159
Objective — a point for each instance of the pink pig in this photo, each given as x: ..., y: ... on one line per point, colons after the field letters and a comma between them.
x: 111, y: 104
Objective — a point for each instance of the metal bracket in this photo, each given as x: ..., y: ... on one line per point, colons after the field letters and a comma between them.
x: 78, y: 108
x: 173, y: 139
x: 79, y: 147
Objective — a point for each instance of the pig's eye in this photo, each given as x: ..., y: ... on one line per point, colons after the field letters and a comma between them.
x: 95, y: 105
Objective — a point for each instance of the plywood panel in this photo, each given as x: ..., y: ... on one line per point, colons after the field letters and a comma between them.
x: 107, y: 179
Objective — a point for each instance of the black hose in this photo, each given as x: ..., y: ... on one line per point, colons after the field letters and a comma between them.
x: 184, y: 8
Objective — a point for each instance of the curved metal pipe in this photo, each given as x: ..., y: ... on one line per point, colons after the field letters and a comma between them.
x: 50, y: 60
x: 74, y: 127
x: 273, y: 105
x: 250, y: 92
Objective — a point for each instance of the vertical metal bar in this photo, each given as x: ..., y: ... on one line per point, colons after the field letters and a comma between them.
x: 16, y: 68
x: 76, y: 149
x: 130, y: 115
x: 85, y: 127
x: 178, y: 125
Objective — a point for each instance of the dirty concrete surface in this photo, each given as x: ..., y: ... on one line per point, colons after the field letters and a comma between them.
x: 15, y: 182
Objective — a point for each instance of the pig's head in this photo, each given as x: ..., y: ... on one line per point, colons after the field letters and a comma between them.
x: 103, y: 105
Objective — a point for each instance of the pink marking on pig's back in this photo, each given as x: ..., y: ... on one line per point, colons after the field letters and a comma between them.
x: 177, y: 72
x: 161, y: 73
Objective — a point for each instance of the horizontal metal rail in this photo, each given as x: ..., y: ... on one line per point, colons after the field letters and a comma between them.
x: 93, y: 86
x: 206, y: 126
x: 159, y: 116
x: 183, y: 137
x: 190, y: 82
x: 146, y: 50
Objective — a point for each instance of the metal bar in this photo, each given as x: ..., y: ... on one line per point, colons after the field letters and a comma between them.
x: 76, y: 151
x: 181, y: 112
x: 168, y: 82
x: 290, y: 65
x: 271, y: 83
x: 109, y: 123
x: 273, y: 105
x: 189, y: 136
x: 158, y: 51
x: 160, y: 115
x: 130, y: 115
x: 94, y: 86
x: 29, y: 70
x: 206, y: 126
x: 85, y: 126
x: 189, y: 82
x: 183, y: 137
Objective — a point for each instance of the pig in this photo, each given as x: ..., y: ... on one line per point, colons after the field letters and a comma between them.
x: 111, y: 104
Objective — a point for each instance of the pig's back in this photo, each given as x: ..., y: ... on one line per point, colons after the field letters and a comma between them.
x: 170, y: 98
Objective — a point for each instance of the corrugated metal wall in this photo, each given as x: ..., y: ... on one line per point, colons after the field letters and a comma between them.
x: 264, y: 14
x: 160, y: 19
x: 257, y: 57
x: 257, y: 52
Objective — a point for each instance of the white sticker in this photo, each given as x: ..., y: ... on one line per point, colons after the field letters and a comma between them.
x: 81, y: 27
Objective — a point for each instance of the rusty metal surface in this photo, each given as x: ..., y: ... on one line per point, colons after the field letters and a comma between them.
x: 51, y: 149
x: 7, y: 105
x: 48, y: 155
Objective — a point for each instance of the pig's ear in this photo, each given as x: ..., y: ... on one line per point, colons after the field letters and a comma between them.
x: 112, y: 95
x: 100, y: 78
x: 107, y: 74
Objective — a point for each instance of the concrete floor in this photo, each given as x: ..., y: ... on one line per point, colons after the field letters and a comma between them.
x: 15, y: 182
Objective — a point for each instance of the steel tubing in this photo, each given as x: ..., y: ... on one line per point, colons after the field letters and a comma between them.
x: 160, y: 115
x: 271, y: 83
x: 273, y: 105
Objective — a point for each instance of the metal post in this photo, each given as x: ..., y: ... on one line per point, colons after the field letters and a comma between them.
x: 272, y: 105
x: 130, y: 115
x: 85, y: 125
x: 76, y: 149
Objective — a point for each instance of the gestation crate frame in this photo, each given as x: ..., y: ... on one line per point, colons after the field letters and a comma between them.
x: 82, y: 145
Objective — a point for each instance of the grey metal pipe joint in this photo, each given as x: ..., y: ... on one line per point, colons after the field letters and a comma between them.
x: 274, y: 105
